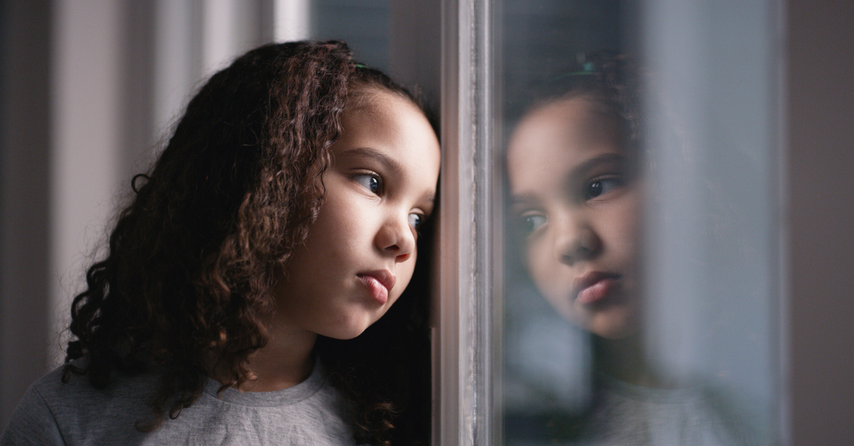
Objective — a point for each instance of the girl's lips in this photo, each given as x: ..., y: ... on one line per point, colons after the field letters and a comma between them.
x: 594, y: 286
x: 378, y: 283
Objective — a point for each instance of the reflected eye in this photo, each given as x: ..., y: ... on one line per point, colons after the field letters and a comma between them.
x: 531, y: 222
x: 415, y: 220
x: 369, y: 181
x: 601, y: 186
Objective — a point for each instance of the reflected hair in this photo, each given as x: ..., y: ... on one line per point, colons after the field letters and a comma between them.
x: 610, y: 82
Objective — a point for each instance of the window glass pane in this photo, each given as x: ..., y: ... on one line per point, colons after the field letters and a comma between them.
x: 363, y: 24
x: 640, y: 290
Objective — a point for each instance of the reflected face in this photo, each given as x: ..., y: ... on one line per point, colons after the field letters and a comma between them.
x: 360, y: 252
x: 578, y: 203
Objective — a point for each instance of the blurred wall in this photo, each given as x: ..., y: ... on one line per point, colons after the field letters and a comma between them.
x: 820, y: 187
x: 25, y: 149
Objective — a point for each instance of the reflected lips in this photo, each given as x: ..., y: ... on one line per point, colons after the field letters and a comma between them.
x: 378, y: 283
x: 594, y: 286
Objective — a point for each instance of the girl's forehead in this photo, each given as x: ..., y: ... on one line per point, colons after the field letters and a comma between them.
x: 558, y: 129
x: 553, y: 140
x: 575, y: 109
x: 387, y: 119
x: 379, y: 105
x: 371, y: 96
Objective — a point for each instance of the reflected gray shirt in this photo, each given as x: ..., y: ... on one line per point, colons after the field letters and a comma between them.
x: 52, y: 413
x: 632, y: 415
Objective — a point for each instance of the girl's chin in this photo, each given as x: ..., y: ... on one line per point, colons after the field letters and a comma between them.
x: 614, y: 333
x: 615, y: 326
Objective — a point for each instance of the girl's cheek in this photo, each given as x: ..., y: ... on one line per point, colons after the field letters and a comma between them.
x: 541, y: 264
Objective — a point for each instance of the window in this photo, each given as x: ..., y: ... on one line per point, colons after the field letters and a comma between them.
x: 516, y: 365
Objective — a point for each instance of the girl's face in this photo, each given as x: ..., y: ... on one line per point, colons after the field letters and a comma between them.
x: 360, y: 253
x: 578, y: 203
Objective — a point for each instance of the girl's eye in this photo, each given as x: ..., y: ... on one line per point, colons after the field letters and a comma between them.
x: 601, y: 186
x: 532, y: 222
x: 415, y: 220
x: 369, y: 181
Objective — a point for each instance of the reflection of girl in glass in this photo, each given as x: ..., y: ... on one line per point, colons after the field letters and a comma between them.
x: 577, y: 192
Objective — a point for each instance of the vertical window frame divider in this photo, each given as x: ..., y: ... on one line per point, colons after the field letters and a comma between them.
x: 467, y: 316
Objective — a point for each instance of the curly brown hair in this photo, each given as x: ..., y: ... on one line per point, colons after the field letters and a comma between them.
x: 610, y: 81
x: 191, y: 260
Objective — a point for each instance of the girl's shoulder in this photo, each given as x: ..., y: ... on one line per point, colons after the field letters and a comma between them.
x: 75, y: 412
x: 54, y: 411
x: 698, y: 414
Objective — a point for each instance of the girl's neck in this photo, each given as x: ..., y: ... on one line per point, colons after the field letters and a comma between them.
x: 624, y: 359
x: 284, y: 362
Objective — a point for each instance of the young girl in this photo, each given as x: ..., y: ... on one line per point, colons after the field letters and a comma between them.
x: 280, y: 222
x: 574, y: 167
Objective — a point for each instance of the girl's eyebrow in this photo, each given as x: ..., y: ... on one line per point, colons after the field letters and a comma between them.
x: 578, y: 172
x: 390, y: 163
x: 367, y: 152
x: 592, y: 163
x: 525, y: 199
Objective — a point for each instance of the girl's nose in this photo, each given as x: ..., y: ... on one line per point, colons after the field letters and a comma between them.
x: 396, y: 237
x: 575, y: 242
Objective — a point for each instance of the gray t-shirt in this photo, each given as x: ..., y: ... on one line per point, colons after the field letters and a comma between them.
x: 52, y: 413
x: 638, y: 416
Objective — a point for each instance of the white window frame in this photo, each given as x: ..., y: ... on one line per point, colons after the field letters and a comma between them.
x: 466, y: 363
